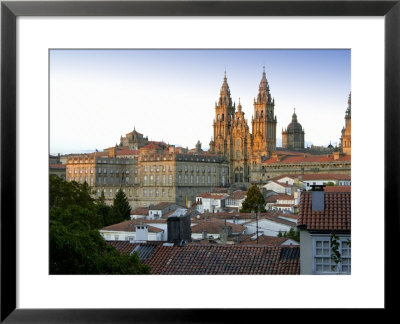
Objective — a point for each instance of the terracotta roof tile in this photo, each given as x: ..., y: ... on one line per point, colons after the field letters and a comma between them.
x: 130, y: 225
x: 218, y: 259
x: 304, y: 158
x: 336, y: 214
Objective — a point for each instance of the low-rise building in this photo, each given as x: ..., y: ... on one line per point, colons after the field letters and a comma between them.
x: 325, y: 216
x: 235, y: 200
x: 211, y: 202
x: 136, y: 230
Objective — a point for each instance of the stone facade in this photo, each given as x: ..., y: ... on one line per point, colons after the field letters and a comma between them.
x: 159, y: 173
x: 232, y: 138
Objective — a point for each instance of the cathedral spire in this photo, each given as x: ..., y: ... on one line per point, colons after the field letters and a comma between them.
x: 225, y: 94
x: 348, y: 110
x: 263, y: 89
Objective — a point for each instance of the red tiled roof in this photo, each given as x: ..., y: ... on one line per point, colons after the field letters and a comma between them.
x: 337, y: 189
x: 304, y: 158
x: 313, y: 176
x: 130, y: 225
x: 122, y: 246
x: 263, y: 240
x: 335, y: 216
x: 238, y: 194
x: 140, y: 211
x: 213, y: 195
x: 224, y: 259
x: 283, y: 197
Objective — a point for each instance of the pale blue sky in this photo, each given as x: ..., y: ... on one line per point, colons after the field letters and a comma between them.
x: 98, y: 95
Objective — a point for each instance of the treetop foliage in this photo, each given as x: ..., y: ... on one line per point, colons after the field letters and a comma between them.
x: 76, y: 246
x: 254, y: 200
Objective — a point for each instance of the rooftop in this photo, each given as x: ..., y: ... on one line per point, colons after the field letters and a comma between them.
x: 336, y: 214
x: 304, y: 158
x: 130, y: 225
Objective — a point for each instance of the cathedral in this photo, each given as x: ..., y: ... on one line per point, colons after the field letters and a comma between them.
x: 232, y: 138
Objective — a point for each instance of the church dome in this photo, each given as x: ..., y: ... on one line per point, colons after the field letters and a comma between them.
x: 294, y: 126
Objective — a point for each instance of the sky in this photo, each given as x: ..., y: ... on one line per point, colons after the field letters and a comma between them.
x: 97, y: 96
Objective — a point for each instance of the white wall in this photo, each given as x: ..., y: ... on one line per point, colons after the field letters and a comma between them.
x: 124, y: 236
x: 270, y: 228
x: 275, y: 187
x: 306, y: 251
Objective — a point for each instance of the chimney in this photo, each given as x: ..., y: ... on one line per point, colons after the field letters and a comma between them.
x: 141, y: 232
x: 317, y: 198
x: 179, y: 229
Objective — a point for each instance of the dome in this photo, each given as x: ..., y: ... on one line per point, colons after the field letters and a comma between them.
x: 294, y: 126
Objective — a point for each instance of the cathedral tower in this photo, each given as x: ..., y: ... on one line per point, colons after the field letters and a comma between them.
x: 345, y: 140
x: 263, y: 122
x: 240, y: 148
x: 224, y: 114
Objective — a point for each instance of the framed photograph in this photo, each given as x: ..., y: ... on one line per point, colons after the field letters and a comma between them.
x: 194, y: 41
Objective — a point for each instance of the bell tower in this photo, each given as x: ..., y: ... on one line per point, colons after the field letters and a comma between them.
x: 224, y: 115
x: 263, y: 122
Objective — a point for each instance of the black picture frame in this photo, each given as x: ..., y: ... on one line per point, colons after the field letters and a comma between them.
x: 10, y: 10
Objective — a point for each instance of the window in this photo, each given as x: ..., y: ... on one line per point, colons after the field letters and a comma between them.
x: 116, y: 237
x: 163, y: 179
x: 170, y: 179
x: 323, y: 263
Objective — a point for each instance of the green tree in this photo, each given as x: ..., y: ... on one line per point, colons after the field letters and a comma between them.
x: 330, y: 183
x: 76, y: 246
x: 121, y: 210
x: 104, y: 210
x: 254, y: 200
x: 293, y: 234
